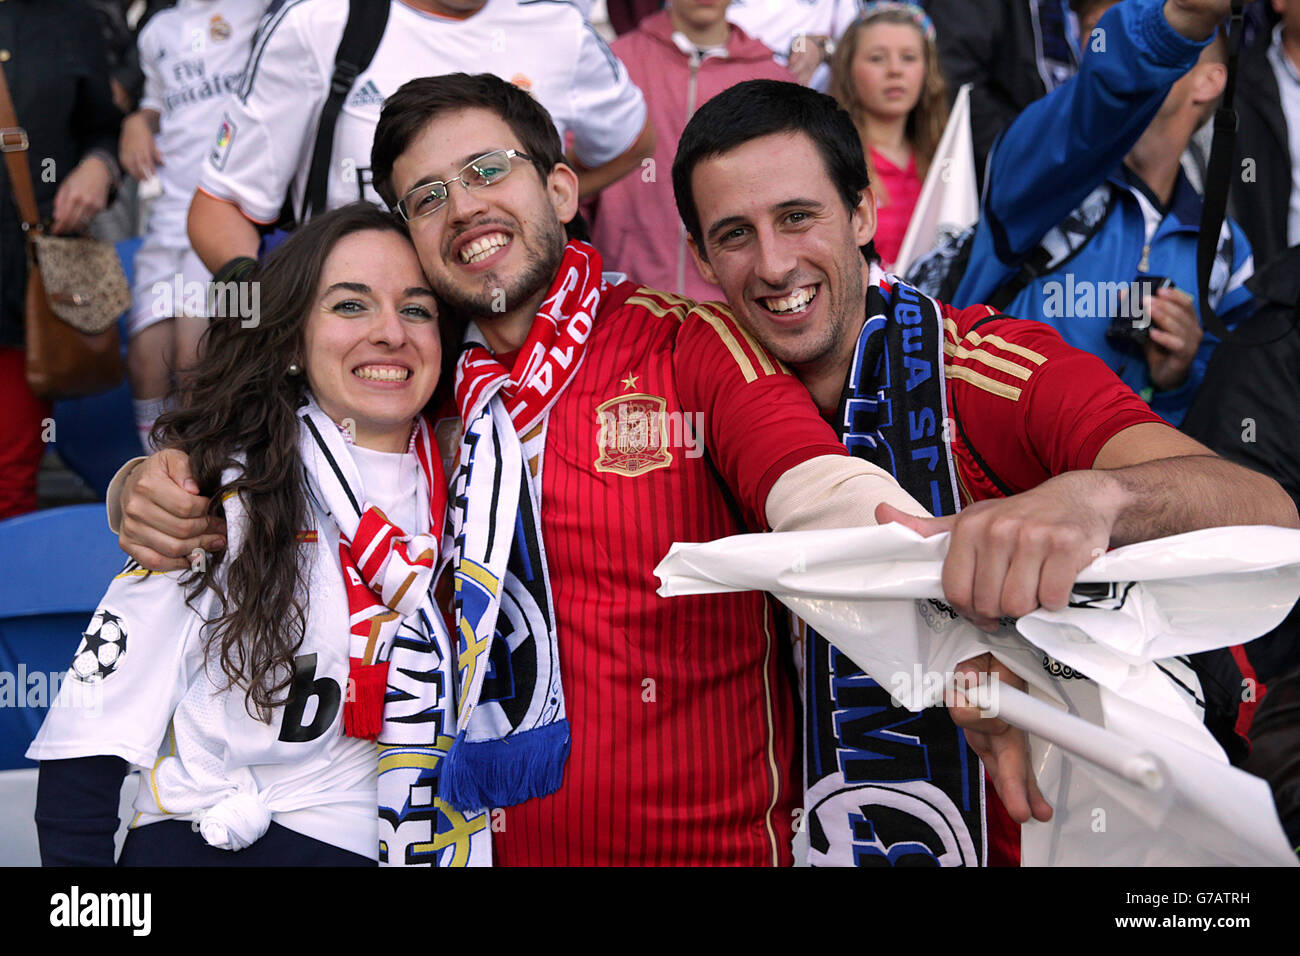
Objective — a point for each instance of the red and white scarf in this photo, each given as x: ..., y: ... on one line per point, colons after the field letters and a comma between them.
x: 505, y: 755
x: 386, y: 572
x: 550, y: 355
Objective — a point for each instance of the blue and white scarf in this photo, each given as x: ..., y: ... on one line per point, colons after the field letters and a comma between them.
x: 512, y: 739
x: 885, y: 786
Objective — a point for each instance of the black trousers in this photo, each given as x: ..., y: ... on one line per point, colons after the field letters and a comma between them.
x: 174, y: 843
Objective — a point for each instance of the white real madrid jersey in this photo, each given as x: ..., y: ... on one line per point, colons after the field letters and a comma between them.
x: 778, y: 22
x: 192, y: 56
x: 139, y: 689
x: 265, y: 137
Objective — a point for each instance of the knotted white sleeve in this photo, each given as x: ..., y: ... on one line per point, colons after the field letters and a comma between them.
x: 238, y: 821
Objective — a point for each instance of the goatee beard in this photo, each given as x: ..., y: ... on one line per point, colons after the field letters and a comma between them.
x: 494, y: 298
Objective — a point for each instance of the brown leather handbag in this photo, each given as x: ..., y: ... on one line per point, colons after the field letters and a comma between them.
x: 75, y: 290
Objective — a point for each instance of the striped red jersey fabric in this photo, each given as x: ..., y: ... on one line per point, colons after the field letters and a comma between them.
x: 673, y: 429
x: 1016, y: 424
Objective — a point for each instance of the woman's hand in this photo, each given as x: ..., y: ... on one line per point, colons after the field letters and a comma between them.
x: 83, y: 196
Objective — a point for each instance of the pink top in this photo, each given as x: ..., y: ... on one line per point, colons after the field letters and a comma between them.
x: 637, y: 229
x: 903, y: 187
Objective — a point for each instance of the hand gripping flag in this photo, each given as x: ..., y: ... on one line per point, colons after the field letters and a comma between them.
x: 1116, y: 737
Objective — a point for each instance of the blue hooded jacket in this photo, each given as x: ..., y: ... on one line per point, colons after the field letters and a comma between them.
x: 1056, y: 177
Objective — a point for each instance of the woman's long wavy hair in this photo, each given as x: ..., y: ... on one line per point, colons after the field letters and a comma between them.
x: 239, y: 403
x: 927, y: 118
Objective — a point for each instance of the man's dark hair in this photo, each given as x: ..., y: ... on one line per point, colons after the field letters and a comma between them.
x: 408, y: 111
x: 761, y: 108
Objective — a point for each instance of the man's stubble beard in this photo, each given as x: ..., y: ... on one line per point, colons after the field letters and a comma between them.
x: 844, y: 318
x: 539, y: 271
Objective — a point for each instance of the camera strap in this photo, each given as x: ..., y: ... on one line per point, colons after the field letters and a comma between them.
x: 1218, y: 179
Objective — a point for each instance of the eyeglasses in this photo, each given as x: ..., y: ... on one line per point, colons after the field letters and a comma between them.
x: 428, y: 198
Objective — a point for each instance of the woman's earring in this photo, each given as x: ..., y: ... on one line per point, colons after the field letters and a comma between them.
x: 295, y: 369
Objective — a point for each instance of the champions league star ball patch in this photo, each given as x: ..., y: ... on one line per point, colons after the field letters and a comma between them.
x: 102, y: 649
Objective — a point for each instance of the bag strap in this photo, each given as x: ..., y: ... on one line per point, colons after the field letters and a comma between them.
x: 14, y: 143
x: 1217, y: 178
x: 1040, y: 262
x: 361, y: 36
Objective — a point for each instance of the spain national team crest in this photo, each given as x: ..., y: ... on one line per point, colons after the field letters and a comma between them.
x: 219, y: 29
x: 633, y: 436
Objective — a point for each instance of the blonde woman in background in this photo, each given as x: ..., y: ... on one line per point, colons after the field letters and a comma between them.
x: 886, y: 74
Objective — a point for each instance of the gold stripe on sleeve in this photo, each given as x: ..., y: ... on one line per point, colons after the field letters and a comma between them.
x: 728, y: 339
x: 992, y: 361
x: 983, y: 382
x: 1036, y: 357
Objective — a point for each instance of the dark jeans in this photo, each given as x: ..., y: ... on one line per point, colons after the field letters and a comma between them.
x: 174, y: 843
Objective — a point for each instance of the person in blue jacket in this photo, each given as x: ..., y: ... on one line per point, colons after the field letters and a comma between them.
x: 1086, y: 196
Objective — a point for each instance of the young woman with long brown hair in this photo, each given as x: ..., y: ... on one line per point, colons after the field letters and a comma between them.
x: 886, y: 74
x: 250, y: 689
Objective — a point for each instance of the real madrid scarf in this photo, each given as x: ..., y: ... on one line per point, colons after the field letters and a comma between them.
x: 512, y: 737
x: 885, y: 786
x: 400, y: 678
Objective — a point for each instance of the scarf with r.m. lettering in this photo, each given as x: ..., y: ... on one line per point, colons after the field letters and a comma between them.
x: 885, y: 786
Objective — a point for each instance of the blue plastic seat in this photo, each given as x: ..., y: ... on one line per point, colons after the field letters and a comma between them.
x: 55, y: 566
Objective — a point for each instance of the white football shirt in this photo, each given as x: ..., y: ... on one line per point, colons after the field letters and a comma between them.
x: 778, y: 22
x: 265, y: 138
x: 139, y: 689
x: 192, y: 56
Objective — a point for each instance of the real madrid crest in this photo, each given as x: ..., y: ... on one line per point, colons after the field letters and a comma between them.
x: 218, y: 28
x: 633, y: 437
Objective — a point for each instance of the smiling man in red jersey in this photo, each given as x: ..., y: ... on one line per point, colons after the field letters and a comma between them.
x: 1036, y: 454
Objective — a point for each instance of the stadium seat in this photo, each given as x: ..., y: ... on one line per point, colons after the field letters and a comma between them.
x: 96, y: 435
x: 58, y: 563
x: 55, y: 567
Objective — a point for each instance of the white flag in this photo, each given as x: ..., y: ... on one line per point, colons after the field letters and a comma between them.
x: 1121, y: 754
x: 950, y: 198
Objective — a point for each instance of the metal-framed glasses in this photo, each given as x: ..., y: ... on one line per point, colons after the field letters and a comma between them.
x: 428, y: 198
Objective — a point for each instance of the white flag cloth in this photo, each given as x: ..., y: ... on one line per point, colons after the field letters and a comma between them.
x: 950, y: 197
x: 1133, y: 776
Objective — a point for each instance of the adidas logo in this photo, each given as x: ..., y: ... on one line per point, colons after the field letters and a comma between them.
x: 367, y: 95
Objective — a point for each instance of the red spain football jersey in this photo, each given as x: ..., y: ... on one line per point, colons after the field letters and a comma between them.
x: 674, y: 428
x: 1025, y: 405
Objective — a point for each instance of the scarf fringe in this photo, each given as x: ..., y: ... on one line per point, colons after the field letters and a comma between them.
x: 363, y: 710
x: 507, y: 770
